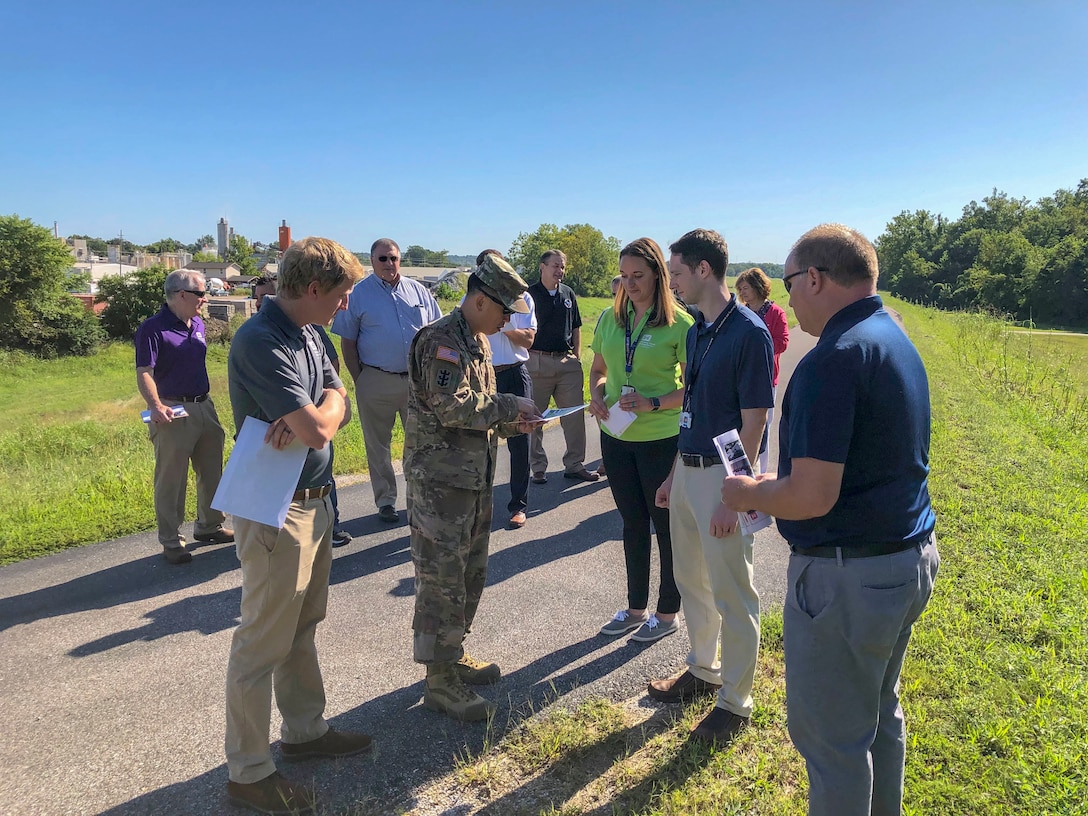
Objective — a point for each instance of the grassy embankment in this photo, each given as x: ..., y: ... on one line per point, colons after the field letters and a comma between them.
x: 996, y: 682
x: 77, y: 464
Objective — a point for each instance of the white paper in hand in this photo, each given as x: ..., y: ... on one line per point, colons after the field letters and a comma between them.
x: 618, y: 420
x: 737, y: 464
x: 259, y: 481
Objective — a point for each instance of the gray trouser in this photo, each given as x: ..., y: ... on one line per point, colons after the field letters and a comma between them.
x: 379, y: 397
x: 560, y: 378
x: 846, y: 627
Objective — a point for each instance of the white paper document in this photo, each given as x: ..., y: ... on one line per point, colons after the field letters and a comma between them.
x: 736, y: 464
x: 259, y: 481
x: 618, y: 420
x: 555, y: 413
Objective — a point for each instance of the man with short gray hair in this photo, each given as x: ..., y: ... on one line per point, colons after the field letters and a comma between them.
x: 171, y: 373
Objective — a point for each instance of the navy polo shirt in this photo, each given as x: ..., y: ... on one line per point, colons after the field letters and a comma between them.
x: 861, y: 398
x: 276, y: 367
x: 175, y: 353
x: 557, y: 317
x: 735, y: 372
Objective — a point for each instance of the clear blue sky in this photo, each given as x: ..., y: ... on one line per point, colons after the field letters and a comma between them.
x: 457, y: 125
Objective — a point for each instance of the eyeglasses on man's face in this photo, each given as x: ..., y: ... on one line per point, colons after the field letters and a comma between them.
x: 388, y: 258
x: 786, y: 279
x: 199, y: 293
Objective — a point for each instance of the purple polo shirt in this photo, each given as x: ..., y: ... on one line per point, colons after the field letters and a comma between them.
x: 175, y: 352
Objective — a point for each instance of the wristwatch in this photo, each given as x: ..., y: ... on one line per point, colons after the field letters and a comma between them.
x: 656, y: 403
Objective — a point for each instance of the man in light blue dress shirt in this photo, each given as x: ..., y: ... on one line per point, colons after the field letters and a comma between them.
x: 384, y: 313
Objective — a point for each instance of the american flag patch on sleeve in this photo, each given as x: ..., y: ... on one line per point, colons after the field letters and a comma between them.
x: 447, y: 354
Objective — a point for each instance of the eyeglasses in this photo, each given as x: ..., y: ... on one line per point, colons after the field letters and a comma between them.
x: 388, y: 258
x: 506, y: 310
x: 786, y: 279
x: 197, y: 292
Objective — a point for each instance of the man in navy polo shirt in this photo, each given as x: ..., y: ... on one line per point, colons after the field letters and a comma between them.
x: 171, y: 371
x: 851, y: 497
x: 727, y: 386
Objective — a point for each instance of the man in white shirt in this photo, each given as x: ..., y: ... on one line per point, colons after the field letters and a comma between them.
x: 384, y: 314
x: 509, y: 353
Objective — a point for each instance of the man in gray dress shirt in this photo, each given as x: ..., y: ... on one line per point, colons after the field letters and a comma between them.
x: 383, y: 315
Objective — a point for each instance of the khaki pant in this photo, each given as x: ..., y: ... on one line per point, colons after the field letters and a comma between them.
x: 197, y: 438
x: 379, y: 397
x: 561, y: 378
x: 285, y: 589
x: 714, y: 576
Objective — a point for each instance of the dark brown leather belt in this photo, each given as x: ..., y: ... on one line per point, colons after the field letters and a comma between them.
x: 307, y: 493
x: 507, y: 366
x: 695, y: 460
x: 550, y: 353
x: 197, y: 398
x: 858, y: 550
x: 383, y: 371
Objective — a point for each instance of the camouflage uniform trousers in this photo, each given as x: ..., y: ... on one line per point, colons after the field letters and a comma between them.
x: 450, y: 531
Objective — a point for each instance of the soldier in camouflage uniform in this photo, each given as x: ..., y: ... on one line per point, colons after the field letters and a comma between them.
x: 450, y: 445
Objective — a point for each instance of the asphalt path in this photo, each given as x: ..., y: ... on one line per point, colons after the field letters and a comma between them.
x: 112, y: 662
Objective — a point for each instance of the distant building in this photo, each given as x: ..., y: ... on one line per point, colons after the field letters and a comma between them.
x: 223, y: 237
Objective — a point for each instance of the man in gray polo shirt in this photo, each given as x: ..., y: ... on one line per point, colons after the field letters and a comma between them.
x: 280, y: 373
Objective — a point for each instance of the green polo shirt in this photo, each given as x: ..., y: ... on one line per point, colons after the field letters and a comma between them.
x: 655, y: 369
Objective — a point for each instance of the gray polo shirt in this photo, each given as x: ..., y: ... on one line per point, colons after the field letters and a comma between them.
x: 276, y: 367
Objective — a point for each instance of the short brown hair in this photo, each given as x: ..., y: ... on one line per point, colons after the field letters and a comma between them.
x: 846, y: 254
x: 547, y: 256
x: 664, y: 301
x: 383, y: 242
x: 702, y: 245
x: 316, y: 259
x: 757, y: 279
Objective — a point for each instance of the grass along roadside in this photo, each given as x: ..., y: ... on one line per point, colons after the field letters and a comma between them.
x: 996, y: 682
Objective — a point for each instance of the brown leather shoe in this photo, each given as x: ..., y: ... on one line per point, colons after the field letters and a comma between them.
x: 273, y: 794
x: 332, y: 743
x: 224, y: 535
x: 177, y: 555
x: 582, y: 475
x: 719, y: 728
x: 540, y: 478
x: 517, y: 520
x: 682, y: 688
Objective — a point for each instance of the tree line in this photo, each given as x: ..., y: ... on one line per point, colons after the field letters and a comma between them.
x: 1005, y: 255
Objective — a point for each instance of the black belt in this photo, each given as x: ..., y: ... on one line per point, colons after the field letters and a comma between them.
x: 695, y: 460
x: 551, y: 353
x: 383, y: 371
x: 197, y: 398
x: 307, y: 493
x: 507, y: 366
x: 857, y: 550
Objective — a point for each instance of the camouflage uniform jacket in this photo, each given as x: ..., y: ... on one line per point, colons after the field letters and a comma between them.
x: 454, y: 413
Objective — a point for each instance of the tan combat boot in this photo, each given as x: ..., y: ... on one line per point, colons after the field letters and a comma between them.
x: 477, y: 672
x: 445, y: 691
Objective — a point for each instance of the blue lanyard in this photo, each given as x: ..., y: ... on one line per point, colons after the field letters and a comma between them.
x: 629, y: 346
x: 693, y: 369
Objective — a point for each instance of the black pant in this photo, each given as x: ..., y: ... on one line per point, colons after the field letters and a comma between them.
x: 516, y: 381
x: 635, y: 472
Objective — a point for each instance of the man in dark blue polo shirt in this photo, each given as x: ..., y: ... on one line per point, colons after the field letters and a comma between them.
x: 851, y: 497
x: 280, y: 373
x: 171, y: 371
x: 727, y: 386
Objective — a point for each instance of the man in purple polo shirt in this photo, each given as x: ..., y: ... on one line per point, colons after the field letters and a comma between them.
x: 171, y: 371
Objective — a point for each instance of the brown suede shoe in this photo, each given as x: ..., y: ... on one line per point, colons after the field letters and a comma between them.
x: 682, y: 688
x: 332, y: 743
x: 582, y: 475
x: 273, y: 794
x: 719, y: 728
x: 177, y: 555
x: 224, y: 535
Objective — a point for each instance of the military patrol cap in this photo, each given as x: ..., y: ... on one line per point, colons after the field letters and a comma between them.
x: 503, y: 282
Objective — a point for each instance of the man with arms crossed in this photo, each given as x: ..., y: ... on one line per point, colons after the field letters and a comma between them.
x: 727, y: 386
x: 279, y: 372
x: 383, y: 315
x: 171, y: 370
x: 555, y: 364
x: 852, y: 499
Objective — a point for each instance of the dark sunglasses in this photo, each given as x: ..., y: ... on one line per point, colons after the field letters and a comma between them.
x: 198, y: 292
x: 388, y: 258
x: 506, y: 310
x: 786, y: 280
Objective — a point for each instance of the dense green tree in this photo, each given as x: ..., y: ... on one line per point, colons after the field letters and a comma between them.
x: 240, y: 252
x: 36, y: 312
x: 131, y: 298
x: 415, y: 255
x: 95, y: 245
x: 201, y: 242
x: 592, y: 259
x: 165, y: 245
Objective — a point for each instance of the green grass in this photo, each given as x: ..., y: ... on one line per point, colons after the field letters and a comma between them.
x: 996, y: 682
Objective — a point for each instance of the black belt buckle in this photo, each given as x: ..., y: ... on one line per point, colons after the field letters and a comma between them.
x: 695, y: 460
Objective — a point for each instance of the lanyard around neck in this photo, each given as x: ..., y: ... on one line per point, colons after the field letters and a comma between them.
x: 629, y: 347
x: 695, y: 367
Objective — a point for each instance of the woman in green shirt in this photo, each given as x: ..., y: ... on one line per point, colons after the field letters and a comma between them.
x: 638, y: 364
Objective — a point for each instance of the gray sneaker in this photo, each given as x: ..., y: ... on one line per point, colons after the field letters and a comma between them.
x: 655, y: 629
x: 622, y: 623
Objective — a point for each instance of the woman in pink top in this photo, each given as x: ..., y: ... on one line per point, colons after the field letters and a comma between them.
x: 754, y: 289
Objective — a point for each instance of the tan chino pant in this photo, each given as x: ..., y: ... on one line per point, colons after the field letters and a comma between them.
x: 560, y: 378
x: 379, y: 397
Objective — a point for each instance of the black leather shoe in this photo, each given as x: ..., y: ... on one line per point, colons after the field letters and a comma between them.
x: 388, y: 513
x: 177, y: 555
x: 719, y: 728
x: 582, y: 475
x: 273, y: 794
x: 681, y: 689
x: 224, y: 535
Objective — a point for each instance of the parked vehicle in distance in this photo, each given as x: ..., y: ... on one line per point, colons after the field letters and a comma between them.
x: 216, y: 287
